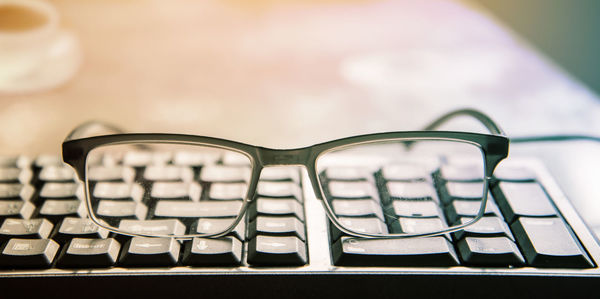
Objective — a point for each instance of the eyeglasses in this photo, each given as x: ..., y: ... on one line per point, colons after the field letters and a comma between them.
x: 179, y: 181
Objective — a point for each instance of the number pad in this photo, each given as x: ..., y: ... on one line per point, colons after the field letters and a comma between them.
x: 520, y: 225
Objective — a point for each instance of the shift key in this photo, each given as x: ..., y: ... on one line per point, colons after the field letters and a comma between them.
x: 549, y: 243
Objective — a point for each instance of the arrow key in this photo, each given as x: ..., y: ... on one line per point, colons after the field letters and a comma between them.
x: 276, y: 251
x: 226, y: 251
x: 150, y: 252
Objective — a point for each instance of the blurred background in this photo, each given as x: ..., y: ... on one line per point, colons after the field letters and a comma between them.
x: 293, y: 73
x: 566, y: 31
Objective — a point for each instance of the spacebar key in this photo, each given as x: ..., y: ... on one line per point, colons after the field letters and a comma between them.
x: 427, y: 252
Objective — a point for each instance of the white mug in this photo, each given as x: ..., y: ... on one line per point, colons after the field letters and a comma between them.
x: 29, y: 33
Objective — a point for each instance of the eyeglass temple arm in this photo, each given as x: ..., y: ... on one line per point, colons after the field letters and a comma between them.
x: 477, y: 115
x: 83, y: 129
x: 495, y: 129
x: 553, y: 138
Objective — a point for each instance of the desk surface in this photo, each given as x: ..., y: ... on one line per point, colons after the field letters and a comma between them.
x: 296, y: 73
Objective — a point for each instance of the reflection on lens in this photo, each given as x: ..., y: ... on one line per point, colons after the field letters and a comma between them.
x: 404, y: 186
x: 160, y: 189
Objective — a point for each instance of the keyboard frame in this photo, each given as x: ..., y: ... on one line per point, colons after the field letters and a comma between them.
x: 320, y: 275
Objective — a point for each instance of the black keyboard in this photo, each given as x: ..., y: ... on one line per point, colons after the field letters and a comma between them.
x: 530, y: 241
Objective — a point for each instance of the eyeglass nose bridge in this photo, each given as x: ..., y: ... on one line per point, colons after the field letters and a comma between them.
x: 280, y: 157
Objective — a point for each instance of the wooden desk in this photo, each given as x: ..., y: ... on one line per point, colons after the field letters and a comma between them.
x: 288, y: 74
x: 293, y: 73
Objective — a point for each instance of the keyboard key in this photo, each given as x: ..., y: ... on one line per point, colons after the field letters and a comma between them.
x: 347, y: 174
x: 416, y: 209
x: 153, y: 227
x: 176, y: 191
x: 215, y: 225
x: 487, y: 226
x: 16, y: 209
x: 280, y: 173
x: 145, y: 158
x: 465, y: 190
x: 228, y: 191
x: 522, y: 199
x: 14, y: 161
x: 421, y: 190
x: 224, y: 174
x: 47, y: 160
x: 357, y: 208
x: 148, y: 252
x: 470, y: 208
x: 99, y: 159
x: 195, y: 159
x: 110, y: 173
x: 25, y: 229
x: 225, y: 251
x: 235, y: 159
x: 16, y: 192
x: 462, y: 172
x: 276, y: 226
x: 370, y: 225
x: 118, y: 191
x: 279, y: 190
x: 415, y: 252
x: 496, y: 251
x: 276, y: 251
x: 61, y: 191
x: 57, y: 173
x: 276, y: 207
x: 72, y: 227
x: 351, y: 190
x: 28, y: 253
x: 417, y: 225
x: 15, y: 175
x: 405, y: 172
x: 549, y: 243
x: 168, y: 173
x: 167, y: 208
x: 56, y: 210
x: 514, y: 173
x: 89, y: 253
x: 114, y: 210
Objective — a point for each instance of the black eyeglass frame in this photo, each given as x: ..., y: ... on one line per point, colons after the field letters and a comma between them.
x: 494, y: 148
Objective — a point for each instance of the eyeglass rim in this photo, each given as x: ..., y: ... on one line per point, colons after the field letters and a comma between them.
x: 449, y: 229
x: 75, y: 152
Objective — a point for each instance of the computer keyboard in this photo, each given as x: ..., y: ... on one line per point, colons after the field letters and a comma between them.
x: 530, y: 240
